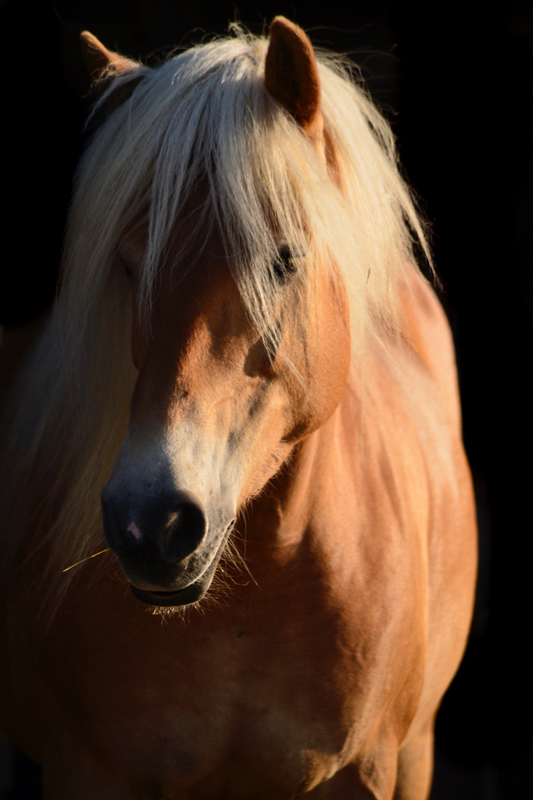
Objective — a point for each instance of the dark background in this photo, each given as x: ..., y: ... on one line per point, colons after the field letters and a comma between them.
x: 456, y: 83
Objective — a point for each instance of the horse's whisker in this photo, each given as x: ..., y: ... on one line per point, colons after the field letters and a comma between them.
x: 99, y: 553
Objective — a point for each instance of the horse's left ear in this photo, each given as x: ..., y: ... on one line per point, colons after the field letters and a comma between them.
x: 103, y: 65
x: 291, y: 74
x: 100, y: 61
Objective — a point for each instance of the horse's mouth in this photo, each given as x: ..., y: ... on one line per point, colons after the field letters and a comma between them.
x: 191, y: 593
x: 183, y: 597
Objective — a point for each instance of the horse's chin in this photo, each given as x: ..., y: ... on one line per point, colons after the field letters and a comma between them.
x: 183, y: 597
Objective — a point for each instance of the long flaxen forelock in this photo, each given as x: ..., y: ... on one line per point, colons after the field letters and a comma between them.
x: 198, y: 145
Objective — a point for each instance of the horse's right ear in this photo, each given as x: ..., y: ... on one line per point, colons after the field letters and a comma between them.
x: 291, y: 74
x: 103, y: 65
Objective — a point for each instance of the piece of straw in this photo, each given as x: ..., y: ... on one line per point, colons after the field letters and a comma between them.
x: 86, y: 559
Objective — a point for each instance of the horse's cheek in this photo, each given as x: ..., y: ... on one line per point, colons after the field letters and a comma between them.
x: 333, y: 366
x: 325, y: 361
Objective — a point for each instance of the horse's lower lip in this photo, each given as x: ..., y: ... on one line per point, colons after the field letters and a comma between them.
x: 191, y: 594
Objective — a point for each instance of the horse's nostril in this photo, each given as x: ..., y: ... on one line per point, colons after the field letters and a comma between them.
x: 183, y: 532
x: 143, y: 529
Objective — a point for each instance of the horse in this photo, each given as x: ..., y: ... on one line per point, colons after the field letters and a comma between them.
x: 247, y: 388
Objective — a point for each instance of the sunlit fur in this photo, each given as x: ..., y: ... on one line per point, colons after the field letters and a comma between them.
x: 199, y: 143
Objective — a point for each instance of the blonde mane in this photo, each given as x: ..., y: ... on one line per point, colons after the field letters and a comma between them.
x: 202, y: 126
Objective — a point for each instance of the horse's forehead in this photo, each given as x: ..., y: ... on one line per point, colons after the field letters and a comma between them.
x: 179, y: 259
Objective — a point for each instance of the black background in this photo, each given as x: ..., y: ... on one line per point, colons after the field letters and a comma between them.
x: 456, y: 83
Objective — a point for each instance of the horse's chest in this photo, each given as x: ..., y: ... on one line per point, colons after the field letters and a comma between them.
x: 256, y: 721
x: 232, y: 714
x: 265, y: 700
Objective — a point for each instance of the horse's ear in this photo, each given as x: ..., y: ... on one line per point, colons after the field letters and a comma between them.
x: 103, y: 66
x: 291, y: 74
x: 101, y: 61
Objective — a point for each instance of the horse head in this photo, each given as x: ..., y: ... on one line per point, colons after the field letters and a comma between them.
x: 219, y: 404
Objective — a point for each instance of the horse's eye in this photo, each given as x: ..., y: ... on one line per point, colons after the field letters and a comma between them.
x: 286, y: 264
x: 127, y: 271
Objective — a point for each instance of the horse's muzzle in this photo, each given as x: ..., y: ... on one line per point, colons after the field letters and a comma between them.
x: 157, y: 539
